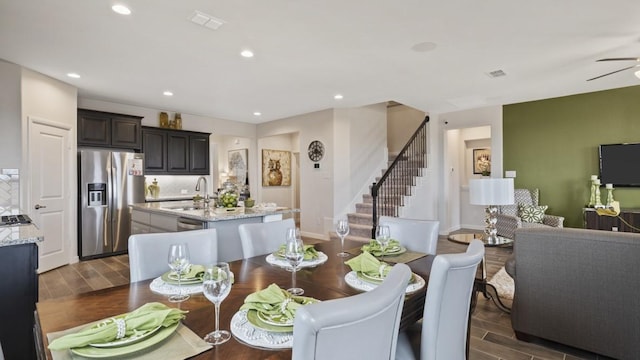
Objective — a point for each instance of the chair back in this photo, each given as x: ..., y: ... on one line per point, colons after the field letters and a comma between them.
x: 363, y: 326
x: 263, y: 238
x: 414, y: 234
x: 446, y: 310
x: 521, y: 197
x: 148, y: 253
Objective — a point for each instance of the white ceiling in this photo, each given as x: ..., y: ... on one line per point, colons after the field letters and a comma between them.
x: 306, y: 51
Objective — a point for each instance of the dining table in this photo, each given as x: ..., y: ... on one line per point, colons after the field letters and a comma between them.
x: 323, y: 282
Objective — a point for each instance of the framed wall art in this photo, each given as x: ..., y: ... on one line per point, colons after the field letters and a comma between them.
x: 276, y: 168
x: 482, y: 161
x: 238, y: 165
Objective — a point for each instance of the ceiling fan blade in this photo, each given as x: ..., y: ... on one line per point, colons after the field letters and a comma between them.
x: 613, y: 72
x: 621, y: 59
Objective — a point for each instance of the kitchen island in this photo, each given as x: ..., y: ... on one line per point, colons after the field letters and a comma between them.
x: 19, y: 287
x: 167, y: 216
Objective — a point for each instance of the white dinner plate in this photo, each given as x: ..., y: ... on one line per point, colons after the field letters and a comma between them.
x: 355, y: 282
x: 274, y: 260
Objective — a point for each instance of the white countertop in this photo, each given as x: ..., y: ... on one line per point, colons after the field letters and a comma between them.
x: 186, y: 209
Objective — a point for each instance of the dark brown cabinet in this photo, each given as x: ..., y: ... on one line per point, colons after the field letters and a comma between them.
x: 628, y: 220
x: 175, y: 152
x: 102, y: 129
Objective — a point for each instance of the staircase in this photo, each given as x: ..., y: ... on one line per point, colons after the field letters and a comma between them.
x: 387, y: 194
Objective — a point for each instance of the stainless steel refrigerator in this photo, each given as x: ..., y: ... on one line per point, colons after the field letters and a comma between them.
x: 108, y: 181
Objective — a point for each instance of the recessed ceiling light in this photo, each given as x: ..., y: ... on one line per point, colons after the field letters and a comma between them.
x: 73, y: 75
x: 257, y: 113
x: 167, y: 93
x: 247, y: 53
x: 121, y: 9
x: 338, y: 97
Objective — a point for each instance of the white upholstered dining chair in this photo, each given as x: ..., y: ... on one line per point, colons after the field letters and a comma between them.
x: 444, y: 330
x: 363, y: 326
x: 263, y: 238
x: 414, y: 234
x: 148, y: 252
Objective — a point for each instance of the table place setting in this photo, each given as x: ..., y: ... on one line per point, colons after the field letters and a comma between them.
x: 189, y: 283
x: 368, y: 272
x: 148, y: 332
x: 265, y: 320
x: 312, y: 258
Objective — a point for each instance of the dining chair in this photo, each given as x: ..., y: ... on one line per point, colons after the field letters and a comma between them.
x: 363, y: 326
x: 148, y: 252
x: 414, y: 234
x: 444, y: 331
x: 263, y: 238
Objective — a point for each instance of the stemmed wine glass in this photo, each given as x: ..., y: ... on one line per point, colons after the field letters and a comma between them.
x: 342, y: 229
x: 383, y: 235
x: 179, y: 262
x: 216, y: 285
x: 294, y: 253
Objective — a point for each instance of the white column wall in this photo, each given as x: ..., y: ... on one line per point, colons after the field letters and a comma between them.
x: 10, y: 138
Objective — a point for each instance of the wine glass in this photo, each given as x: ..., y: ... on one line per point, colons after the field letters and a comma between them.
x: 383, y: 235
x: 216, y: 285
x: 294, y: 253
x: 342, y: 229
x: 178, y: 260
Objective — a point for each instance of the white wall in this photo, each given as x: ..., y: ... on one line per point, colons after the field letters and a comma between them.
x: 10, y: 137
x: 452, y: 150
x: 316, y: 186
x: 402, y: 122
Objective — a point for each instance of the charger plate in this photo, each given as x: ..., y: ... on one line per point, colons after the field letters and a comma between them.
x: 359, y: 282
x: 283, y: 263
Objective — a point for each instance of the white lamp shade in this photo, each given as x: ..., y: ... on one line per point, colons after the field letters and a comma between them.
x: 491, y: 191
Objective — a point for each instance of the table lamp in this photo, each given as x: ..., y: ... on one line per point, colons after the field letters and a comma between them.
x: 491, y: 193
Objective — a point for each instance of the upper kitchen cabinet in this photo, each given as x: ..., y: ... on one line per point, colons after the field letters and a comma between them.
x: 175, y: 152
x: 102, y: 129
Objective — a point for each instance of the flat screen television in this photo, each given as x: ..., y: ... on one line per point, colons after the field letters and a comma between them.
x: 620, y: 164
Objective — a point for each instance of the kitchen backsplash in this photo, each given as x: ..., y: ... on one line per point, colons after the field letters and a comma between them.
x: 9, y: 190
x: 182, y: 186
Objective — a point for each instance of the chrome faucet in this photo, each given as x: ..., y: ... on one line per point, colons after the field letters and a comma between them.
x: 206, y: 191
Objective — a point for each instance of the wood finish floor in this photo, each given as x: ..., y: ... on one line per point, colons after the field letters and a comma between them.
x: 492, y: 337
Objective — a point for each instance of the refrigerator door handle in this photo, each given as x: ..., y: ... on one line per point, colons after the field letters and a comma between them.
x: 108, y: 226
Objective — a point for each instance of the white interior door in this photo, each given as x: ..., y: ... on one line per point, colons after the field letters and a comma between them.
x: 50, y: 161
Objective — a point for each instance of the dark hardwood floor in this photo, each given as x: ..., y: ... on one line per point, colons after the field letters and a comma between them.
x: 491, y: 335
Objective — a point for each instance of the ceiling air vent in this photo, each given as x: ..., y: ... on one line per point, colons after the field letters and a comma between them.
x: 205, y: 20
x: 496, y: 73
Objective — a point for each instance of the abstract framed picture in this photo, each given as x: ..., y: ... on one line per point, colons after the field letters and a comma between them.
x: 482, y: 161
x: 238, y: 165
x: 276, y: 167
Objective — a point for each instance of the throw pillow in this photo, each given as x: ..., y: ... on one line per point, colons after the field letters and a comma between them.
x: 532, y: 214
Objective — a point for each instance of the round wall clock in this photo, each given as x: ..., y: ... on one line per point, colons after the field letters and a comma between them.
x: 316, y: 150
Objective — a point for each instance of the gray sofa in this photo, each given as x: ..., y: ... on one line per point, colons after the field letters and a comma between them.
x: 579, y: 288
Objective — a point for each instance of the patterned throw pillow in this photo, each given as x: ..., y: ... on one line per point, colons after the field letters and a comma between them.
x: 532, y: 214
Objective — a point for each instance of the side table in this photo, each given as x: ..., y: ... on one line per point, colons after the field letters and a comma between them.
x: 481, y: 284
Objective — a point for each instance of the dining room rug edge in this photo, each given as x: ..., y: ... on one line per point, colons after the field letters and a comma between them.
x: 503, y: 283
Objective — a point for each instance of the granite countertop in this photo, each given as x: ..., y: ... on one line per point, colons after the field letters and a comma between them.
x: 18, y: 233
x: 187, y: 209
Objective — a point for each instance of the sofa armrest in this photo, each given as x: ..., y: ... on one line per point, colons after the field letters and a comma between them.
x: 553, y: 220
x: 506, y: 225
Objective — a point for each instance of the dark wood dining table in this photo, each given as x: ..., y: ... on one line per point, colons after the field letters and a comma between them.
x: 323, y: 282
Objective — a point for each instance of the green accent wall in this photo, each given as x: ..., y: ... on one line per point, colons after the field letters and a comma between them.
x: 553, y: 146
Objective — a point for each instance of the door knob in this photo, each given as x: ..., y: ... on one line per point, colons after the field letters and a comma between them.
x: 38, y: 206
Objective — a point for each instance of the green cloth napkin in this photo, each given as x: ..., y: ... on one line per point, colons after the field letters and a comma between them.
x: 374, y: 247
x: 368, y: 264
x: 196, y: 272
x: 147, y: 317
x: 310, y: 253
x: 275, y: 301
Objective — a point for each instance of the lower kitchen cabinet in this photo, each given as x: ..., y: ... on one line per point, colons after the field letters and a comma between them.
x: 143, y: 222
x: 19, y: 289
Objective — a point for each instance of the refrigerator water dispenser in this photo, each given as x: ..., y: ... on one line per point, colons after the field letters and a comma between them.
x: 97, y: 194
